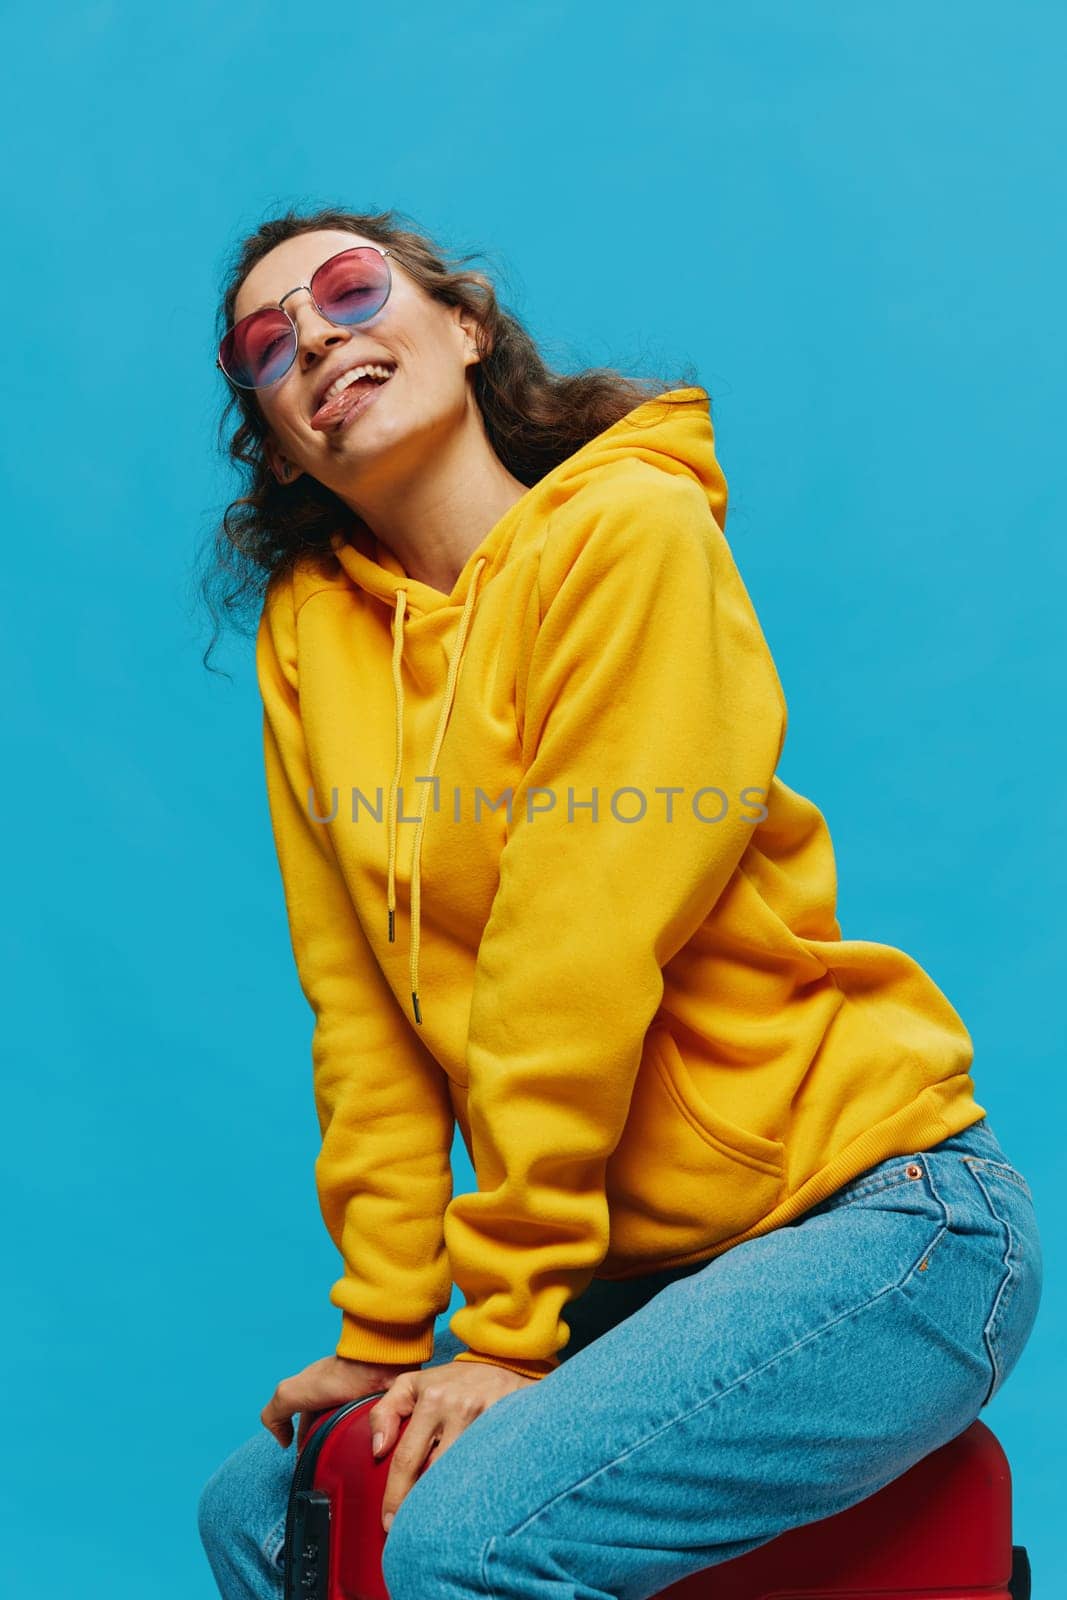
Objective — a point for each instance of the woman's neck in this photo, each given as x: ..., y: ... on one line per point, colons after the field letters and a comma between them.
x: 435, y: 516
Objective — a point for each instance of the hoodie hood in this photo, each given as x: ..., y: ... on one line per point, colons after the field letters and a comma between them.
x: 672, y: 432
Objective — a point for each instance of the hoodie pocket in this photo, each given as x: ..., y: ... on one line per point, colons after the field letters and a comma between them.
x: 683, y: 1179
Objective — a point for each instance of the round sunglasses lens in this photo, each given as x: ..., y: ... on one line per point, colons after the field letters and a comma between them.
x: 352, y: 286
x: 259, y: 349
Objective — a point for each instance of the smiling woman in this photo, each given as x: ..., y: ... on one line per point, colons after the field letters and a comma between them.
x: 501, y: 414
x: 733, y: 1235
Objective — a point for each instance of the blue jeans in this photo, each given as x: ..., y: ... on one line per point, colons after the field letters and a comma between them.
x: 701, y: 1411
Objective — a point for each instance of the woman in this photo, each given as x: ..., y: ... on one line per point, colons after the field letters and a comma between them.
x: 744, y: 1245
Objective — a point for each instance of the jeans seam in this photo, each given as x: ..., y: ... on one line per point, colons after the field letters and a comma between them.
x: 1000, y: 1307
x: 848, y: 1193
x: 891, y: 1180
x: 779, y: 1355
x: 482, y: 1569
x: 1007, y: 1284
x: 275, y: 1539
x: 861, y: 1188
x: 935, y: 1191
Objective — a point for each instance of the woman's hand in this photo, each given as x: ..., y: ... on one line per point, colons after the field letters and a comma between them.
x: 324, y: 1384
x: 441, y: 1402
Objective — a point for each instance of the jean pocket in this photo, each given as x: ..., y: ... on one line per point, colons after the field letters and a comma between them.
x: 1018, y: 1293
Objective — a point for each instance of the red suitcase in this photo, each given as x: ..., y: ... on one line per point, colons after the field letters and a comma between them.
x: 941, y: 1531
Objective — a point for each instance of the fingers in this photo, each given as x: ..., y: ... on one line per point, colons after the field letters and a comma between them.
x: 297, y: 1394
x: 279, y: 1411
x: 412, y: 1395
x: 447, y: 1433
x: 320, y: 1386
x: 440, y: 1403
x: 408, y: 1458
x: 384, y: 1416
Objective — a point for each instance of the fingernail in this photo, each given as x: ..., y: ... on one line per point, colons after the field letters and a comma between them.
x: 387, y: 1520
x: 376, y: 1443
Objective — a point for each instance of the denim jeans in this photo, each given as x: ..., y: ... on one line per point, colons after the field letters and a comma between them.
x: 701, y: 1411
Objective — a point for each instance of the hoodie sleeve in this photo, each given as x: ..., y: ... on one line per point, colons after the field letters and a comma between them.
x: 648, y: 672
x: 383, y: 1174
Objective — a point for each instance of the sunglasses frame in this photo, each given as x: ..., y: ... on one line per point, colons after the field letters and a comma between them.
x: 253, y: 388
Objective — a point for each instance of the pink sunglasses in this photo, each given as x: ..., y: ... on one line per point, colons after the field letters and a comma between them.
x: 347, y: 289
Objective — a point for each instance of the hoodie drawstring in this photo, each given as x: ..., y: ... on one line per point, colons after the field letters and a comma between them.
x: 442, y: 723
x: 398, y: 695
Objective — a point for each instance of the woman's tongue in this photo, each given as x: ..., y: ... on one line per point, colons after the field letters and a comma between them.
x: 342, y: 403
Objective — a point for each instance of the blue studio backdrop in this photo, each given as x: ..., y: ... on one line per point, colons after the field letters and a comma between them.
x: 846, y: 217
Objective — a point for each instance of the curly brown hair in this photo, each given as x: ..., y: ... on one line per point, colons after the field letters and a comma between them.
x: 534, y: 417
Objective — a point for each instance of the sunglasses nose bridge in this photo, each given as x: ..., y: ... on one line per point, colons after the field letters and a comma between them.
x: 310, y: 306
x: 294, y: 290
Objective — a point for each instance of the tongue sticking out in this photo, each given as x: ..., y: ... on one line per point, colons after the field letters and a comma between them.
x: 342, y: 403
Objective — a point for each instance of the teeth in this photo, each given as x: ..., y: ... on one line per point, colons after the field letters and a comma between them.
x: 378, y: 373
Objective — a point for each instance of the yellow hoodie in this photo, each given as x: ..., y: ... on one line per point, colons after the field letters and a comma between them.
x: 563, y: 898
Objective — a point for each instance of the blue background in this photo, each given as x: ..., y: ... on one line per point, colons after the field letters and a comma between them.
x: 847, y: 217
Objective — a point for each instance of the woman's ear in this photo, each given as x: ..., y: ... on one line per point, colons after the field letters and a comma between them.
x: 473, y: 336
x: 283, y: 470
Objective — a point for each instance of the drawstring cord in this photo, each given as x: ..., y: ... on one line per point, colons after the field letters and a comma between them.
x: 398, y: 698
x: 442, y: 723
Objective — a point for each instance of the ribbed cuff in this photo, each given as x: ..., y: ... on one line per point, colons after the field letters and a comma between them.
x: 524, y: 1369
x: 392, y: 1343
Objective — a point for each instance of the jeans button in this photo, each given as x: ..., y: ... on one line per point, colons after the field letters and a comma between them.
x: 913, y: 1170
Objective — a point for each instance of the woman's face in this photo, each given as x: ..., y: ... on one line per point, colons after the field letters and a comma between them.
x: 428, y: 346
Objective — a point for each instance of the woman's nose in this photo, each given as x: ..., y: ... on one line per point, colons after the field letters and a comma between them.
x: 315, y: 333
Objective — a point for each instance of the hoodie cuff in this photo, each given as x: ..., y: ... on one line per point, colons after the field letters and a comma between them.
x: 392, y: 1343
x: 524, y: 1369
